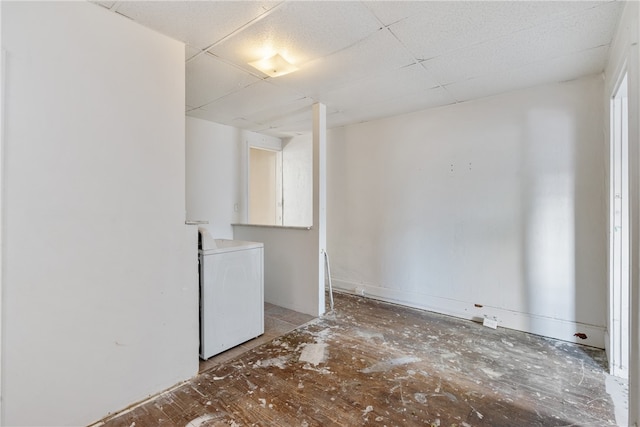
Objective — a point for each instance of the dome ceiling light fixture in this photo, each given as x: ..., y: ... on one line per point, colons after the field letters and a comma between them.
x: 274, y: 66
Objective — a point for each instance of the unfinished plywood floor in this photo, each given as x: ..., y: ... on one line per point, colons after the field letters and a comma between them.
x: 372, y: 363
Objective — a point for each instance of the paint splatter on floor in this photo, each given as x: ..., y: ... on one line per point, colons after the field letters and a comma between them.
x: 314, y: 354
x: 371, y: 363
x: 389, y: 364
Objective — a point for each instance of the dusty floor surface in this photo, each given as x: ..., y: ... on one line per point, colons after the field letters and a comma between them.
x: 277, y: 322
x: 371, y: 363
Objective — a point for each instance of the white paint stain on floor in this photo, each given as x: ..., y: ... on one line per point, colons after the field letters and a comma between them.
x: 491, y: 373
x: 321, y: 370
x: 314, y: 354
x: 389, y: 364
x: 278, y: 362
x: 370, y: 335
x: 367, y: 410
x: 200, y: 421
x: 323, y: 335
x: 420, y: 397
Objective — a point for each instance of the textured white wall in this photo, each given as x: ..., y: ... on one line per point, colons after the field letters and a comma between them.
x: 498, y: 202
x: 100, y: 296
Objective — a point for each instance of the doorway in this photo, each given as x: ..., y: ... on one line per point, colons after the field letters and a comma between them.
x: 265, y: 186
x: 619, y: 234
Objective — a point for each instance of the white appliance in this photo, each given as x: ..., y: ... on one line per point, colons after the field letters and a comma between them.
x: 231, y: 293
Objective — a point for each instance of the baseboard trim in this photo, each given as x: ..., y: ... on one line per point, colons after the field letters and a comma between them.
x: 560, y: 329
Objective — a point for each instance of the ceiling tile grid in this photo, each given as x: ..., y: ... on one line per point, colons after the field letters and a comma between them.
x: 380, y: 88
x: 196, y: 23
x: 105, y: 4
x: 442, y: 27
x: 252, y: 99
x: 300, y: 31
x: 351, y: 64
x: 567, y: 36
x: 221, y: 117
x: 560, y: 69
x: 282, y: 114
x: 202, y: 89
x: 419, y: 100
x: 371, y: 59
x: 190, y: 52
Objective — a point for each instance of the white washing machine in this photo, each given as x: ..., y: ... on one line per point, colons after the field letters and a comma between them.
x: 231, y: 293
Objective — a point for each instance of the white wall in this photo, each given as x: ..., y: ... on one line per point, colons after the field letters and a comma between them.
x: 217, y: 174
x: 290, y: 271
x: 213, y: 167
x: 100, y: 302
x: 625, y: 56
x: 217, y: 179
x: 294, y: 258
x: 498, y: 202
x: 297, y: 181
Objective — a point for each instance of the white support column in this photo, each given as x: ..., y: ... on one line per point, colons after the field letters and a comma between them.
x: 320, y: 193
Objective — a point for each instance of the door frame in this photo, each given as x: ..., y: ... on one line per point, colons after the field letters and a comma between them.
x: 619, y: 230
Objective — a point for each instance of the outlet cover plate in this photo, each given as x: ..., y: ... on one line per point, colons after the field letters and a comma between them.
x: 490, y: 323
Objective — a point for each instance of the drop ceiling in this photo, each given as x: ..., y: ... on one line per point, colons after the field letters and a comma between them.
x: 371, y: 59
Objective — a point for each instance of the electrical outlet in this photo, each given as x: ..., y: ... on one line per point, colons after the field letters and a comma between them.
x: 490, y: 323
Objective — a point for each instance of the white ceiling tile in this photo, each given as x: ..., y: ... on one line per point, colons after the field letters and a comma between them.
x: 303, y: 115
x: 300, y: 31
x: 442, y: 27
x: 516, y: 15
x: 242, y: 123
x: 283, y: 112
x: 359, y: 61
x: 417, y: 101
x: 290, y: 129
x: 197, y: 23
x: 252, y: 99
x: 286, y: 131
x: 212, y: 116
x: 337, y: 119
x: 592, y: 28
x: 387, y: 86
x: 302, y: 119
x: 390, y: 12
x: 559, y: 69
x: 295, y: 123
x: 209, y: 79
